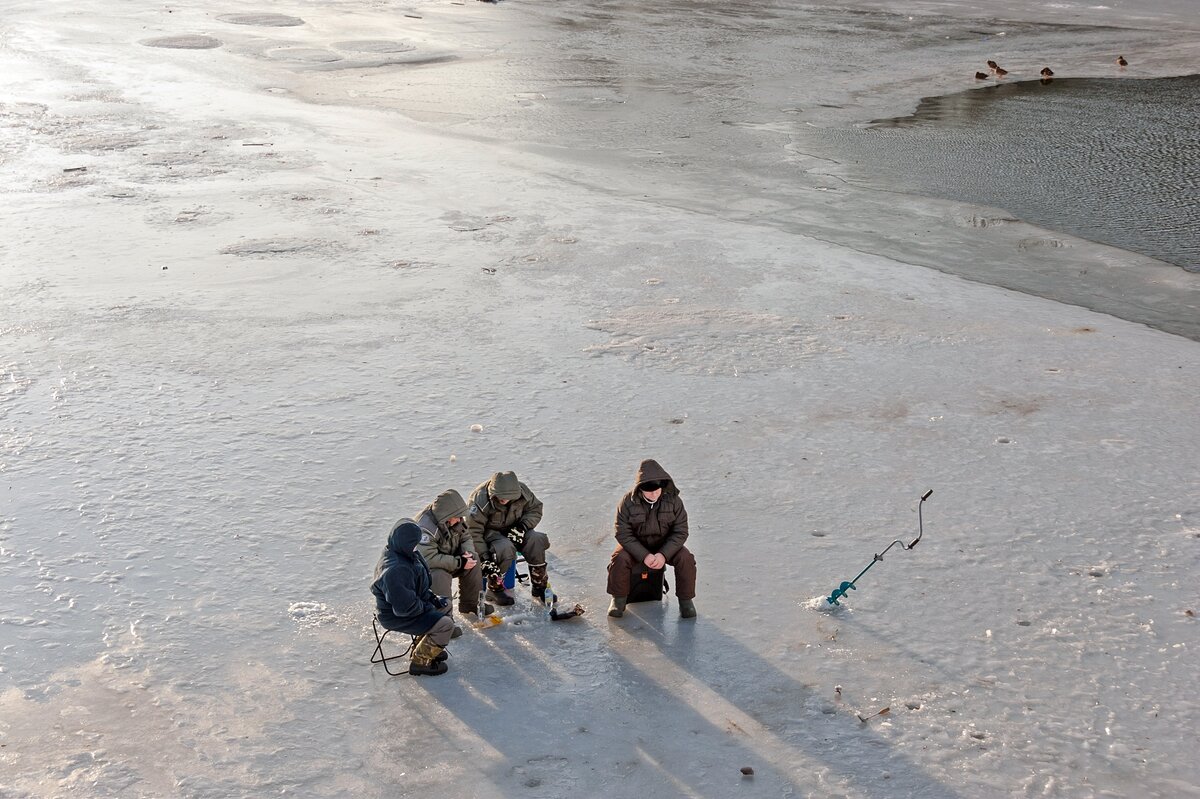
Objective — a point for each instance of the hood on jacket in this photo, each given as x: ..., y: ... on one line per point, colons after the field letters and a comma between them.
x: 404, y: 537
x: 504, y: 485
x: 448, y: 505
x: 649, y: 470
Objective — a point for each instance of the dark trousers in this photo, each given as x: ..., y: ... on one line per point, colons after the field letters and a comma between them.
x: 622, y: 566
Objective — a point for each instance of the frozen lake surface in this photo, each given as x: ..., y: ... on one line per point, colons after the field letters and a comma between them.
x: 265, y: 269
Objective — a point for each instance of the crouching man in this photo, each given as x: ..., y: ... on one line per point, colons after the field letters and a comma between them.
x: 501, y: 519
x: 405, y: 601
x: 447, y: 548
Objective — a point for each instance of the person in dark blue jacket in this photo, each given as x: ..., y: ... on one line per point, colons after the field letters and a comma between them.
x: 405, y: 602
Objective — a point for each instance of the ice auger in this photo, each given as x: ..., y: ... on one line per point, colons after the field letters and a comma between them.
x: 850, y: 585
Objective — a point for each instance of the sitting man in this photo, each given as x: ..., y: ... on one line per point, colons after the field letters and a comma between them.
x: 446, y: 547
x: 404, y: 601
x: 501, y: 520
x: 651, y: 527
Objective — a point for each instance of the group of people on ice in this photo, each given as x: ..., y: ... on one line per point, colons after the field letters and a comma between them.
x: 477, y: 542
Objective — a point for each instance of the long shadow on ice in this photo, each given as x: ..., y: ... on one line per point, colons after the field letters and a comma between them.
x: 819, y: 741
x: 553, y: 710
x: 646, y: 705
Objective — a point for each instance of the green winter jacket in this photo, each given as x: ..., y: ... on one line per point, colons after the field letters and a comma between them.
x: 643, y: 529
x: 488, y: 520
x: 440, y: 544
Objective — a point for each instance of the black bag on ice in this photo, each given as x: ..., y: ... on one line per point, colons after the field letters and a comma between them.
x: 647, y: 585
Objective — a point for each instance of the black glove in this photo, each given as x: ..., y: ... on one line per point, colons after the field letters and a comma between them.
x: 517, y: 536
x: 439, y: 602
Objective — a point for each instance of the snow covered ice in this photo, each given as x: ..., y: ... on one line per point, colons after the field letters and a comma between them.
x: 274, y: 275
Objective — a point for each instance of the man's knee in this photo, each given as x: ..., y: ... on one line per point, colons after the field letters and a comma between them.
x: 621, y: 559
x: 504, y: 549
x: 535, y: 546
x: 683, y: 557
x: 441, y: 631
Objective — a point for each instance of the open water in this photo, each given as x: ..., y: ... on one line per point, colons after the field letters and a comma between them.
x: 1112, y: 160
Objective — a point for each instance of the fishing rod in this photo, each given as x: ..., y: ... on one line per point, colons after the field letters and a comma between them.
x: 850, y: 585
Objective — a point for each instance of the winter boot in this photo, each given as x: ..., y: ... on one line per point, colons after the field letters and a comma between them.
x: 457, y: 633
x: 687, y: 609
x: 497, y: 592
x: 616, y: 608
x: 425, y: 659
x: 538, y: 581
x: 441, y: 657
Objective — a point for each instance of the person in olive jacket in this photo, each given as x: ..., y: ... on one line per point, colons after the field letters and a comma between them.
x: 405, y: 602
x: 447, y: 548
x: 651, y: 528
x: 501, y: 519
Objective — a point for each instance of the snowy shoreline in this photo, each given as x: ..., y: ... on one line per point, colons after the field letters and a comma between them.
x: 250, y: 309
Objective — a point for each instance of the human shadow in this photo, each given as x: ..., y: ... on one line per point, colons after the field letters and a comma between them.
x: 646, y: 705
x: 793, y: 717
x: 550, y: 709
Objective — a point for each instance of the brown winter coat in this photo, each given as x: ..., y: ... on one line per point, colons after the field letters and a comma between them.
x: 440, y: 543
x: 488, y: 520
x: 643, y: 529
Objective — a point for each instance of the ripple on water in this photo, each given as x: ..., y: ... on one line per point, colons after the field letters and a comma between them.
x: 1115, y: 161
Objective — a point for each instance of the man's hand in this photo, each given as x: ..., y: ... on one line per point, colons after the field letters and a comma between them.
x: 655, y: 561
x: 468, y: 561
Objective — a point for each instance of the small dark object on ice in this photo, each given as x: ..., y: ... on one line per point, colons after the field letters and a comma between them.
x: 1121, y: 62
x: 574, y: 612
x: 980, y: 76
x: 747, y: 771
x: 1047, y: 72
x: 1001, y: 72
x: 75, y: 169
x: 993, y: 66
x: 883, y: 712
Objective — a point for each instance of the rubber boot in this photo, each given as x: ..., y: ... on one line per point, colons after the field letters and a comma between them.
x: 442, y: 656
x: 687, y: 609
x: 538, y: 581
x: 425, y: 661
x: 616, y: 608
x: 497, y: 593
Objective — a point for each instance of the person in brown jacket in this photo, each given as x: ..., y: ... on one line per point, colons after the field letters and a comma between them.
x: 651, y: 527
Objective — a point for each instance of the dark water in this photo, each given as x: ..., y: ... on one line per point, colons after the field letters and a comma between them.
x: 1115, y: 161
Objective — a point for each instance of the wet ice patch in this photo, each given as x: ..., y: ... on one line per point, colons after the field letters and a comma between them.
x: 277, y: 246
x: 183, y: 42
x: 375, y: 46
x: 706, y: 340
x: 303, y: 55
x: 311, y: 614
x: 262, y: 20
